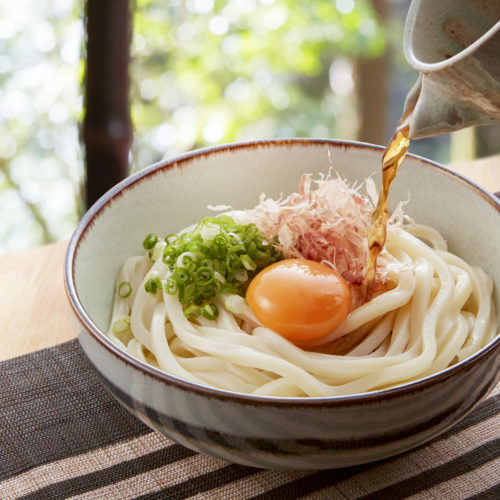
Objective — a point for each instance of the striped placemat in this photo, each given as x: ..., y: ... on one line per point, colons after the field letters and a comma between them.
x: 63, y: 436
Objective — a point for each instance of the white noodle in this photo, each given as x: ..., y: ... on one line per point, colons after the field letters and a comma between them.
x: 439, y: 312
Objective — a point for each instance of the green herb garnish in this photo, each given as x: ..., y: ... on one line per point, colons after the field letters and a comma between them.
x: 152, y: 285
x: 121, y: 325
x: 124, y: 289
x: 150, y: 241
x: 217, y: 256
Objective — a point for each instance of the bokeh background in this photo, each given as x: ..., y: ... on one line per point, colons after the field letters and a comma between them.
x: 202, y: 72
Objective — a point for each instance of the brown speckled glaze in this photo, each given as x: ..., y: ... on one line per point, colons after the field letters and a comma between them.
x: 454, y: 45
x: 308, y: 433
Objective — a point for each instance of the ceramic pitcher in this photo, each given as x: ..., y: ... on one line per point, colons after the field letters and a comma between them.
x: 455, y: 46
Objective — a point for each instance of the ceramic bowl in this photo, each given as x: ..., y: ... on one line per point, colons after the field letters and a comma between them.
x: 309, y: 433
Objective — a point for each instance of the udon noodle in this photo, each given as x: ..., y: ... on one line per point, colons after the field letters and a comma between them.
x: 434, y: 311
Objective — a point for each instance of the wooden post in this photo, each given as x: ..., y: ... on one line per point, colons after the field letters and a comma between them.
x: 107, y: 128
x: 373, y: 89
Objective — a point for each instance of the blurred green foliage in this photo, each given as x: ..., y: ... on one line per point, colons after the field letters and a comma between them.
x: 40, y: 105
x: 208, y: 71
x: 203, y: 72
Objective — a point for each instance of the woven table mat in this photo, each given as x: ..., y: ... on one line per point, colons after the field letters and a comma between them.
x: 63, y: 436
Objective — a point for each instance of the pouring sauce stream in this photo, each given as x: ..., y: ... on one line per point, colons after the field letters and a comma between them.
x: 394, y: 155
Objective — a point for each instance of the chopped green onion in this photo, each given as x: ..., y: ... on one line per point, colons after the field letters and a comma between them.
x: 238, y: 305
x: 171, y: 285
x: 241, y: 275
x: 217, y: 256
x: 170, y: 238
x: 248, y: 263
x: 181, y: 275
x: 157, y: 250
x: 208, y: 291
x: 206, y: 263
x: 124, y: 289
x: 150, y: 241
x: 204, y: 276
x: 210, y: 311
x: 192, y: 312
x: 187, y: 293
x: 220, y: 240
x: 153, y: 285
x: 185, y: 259
x: 238, y: 248
x: 121, y: 325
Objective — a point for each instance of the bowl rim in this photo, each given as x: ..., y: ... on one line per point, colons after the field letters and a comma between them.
x: 89, y: 326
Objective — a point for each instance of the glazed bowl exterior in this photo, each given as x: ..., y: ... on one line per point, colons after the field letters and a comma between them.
x: 280, y: 433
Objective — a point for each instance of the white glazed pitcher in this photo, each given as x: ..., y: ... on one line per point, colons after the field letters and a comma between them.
x: 455, y: 46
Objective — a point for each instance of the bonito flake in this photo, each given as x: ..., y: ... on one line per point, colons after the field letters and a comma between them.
x: 327, y: 224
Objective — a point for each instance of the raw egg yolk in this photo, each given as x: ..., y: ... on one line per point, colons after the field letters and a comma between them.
x: 300, y: 299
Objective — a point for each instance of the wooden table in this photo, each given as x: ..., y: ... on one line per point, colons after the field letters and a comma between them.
x: 34, y: 311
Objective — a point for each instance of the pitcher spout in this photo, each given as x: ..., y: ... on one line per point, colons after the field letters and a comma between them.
x: 433, y: 110
x: 454, y: 45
